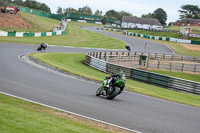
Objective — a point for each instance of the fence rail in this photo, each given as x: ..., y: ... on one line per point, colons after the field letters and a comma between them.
x: 154, y: 61
x: 95, y: 60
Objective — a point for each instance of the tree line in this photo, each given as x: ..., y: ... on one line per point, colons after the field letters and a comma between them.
x: 186, y: 11
x: 27, y: 3
x: 159, y: 14
x: 189, y: 11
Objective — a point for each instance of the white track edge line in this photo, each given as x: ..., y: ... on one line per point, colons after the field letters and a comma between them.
x: 79, y: 115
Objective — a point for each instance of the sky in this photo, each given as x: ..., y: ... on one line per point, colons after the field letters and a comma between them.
x: 135, y: 7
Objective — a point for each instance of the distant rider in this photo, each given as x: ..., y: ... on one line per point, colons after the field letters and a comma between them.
x: 43, y: 45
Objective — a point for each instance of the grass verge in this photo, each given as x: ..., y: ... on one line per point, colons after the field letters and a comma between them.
x: 39, y: 24
x: 75, y: 37
x: 164, y: 34
x: 73, y: 63
x: 187, y: 76
x: 21, y: 116
x: 177, y: 47
x: 153, y: 33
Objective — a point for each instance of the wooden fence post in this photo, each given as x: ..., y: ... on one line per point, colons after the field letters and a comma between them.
x: 163, y: 56
x: 170, y: 66
x: 100, y: 56
x: 96, y: 54
x: 195, y: 68
x: 147, y: 64
x: 194, y: 59
x: 149, y: 56
x: 182, y: 68
x: 156, y: 55
x: 158, y: 65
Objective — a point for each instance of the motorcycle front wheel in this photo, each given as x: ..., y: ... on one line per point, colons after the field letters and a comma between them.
x: 114, y: 93
x: 98, y: 92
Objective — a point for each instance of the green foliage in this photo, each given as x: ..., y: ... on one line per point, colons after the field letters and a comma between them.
x: 70, y: 10
x: 189, y: 11
x: 104, y: 20
x: 149, y: 15
x: 59, y: 11
x: 28, y: 3
x: 161, y: 15
x: 84, y: 10
x: 123, y: 13
x: 113, y: 14
x: 98, y: 13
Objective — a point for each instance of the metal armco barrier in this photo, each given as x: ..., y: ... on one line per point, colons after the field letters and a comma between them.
x: 168, y: 82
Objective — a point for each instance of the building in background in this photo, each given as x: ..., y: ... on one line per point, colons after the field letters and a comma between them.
x: 141, y: 23
x: 188, y: 22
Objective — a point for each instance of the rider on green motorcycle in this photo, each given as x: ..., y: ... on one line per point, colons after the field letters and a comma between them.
x: 119, y: 75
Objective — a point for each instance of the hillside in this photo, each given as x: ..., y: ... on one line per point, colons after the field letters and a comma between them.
x: 11, y: 21
x: 26, y: 22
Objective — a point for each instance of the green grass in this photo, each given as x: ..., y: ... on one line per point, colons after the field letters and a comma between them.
x: 39, y: 24
x: 164, y: 34
x: 177, y: 47
x: 18, y: 116
x: 177, y: 28
x: 187, y: 76
x: 75, y: 37
x: 74, y: 63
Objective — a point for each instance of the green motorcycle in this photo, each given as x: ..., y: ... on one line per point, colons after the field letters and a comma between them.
x: 111, y: 86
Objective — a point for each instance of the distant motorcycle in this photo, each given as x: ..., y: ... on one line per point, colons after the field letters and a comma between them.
x: 111, y: 87
x: 42, y: 46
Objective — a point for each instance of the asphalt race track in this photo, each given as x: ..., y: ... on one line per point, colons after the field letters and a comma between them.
x: 137, y: 44
x: 129, y: 110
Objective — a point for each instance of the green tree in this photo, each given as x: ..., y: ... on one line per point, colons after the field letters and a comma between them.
x: 149, y: 15
x: 104, y: 20
x: 113, y: 14
x: 59, y: 11
x: 123, y: 13
x: 85, y: 10
x: 18, y: 2
x: 98, y: 13
x: 197, y: 16
x: 70, y: 10
x: 45, y: 8
x: 189, y: 11
x: 161, y: 15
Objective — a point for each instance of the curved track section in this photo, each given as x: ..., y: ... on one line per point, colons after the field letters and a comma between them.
x: 137, y: 44
x: 130, y: 110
